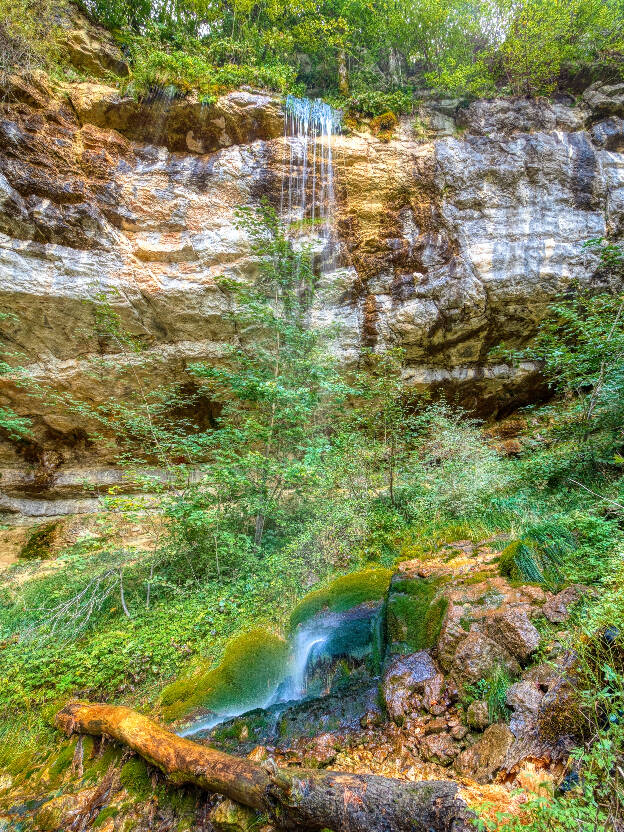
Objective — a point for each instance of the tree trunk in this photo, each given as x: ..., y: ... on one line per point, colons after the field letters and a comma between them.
x: 343, y: 73
x: 292, y: 799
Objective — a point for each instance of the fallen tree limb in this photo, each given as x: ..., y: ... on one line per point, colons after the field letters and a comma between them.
x: 291, y: 798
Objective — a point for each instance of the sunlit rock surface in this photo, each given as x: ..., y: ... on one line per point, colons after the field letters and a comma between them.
x: 445, y: 247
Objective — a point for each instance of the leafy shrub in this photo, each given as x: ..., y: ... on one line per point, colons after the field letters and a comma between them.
x: 454, y: 472
x: 156, y: 68
x: 371, y: 103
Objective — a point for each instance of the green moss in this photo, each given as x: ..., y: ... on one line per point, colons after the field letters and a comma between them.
x: 414, y: 618
x: 39, y: 544
x: 181, y: 801
x: 105, y: 814
x: 135, y: 778
x: 343, y: 594
x: 252, y: 665
x: 477, y: 578
x: 62, y: 761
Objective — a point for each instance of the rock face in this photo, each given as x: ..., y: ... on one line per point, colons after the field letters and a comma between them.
x: 444, y: 247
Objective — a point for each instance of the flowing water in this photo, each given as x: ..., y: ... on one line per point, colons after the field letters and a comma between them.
x: 308, y: 195
x: 307, y: 203
x: 307, y: 644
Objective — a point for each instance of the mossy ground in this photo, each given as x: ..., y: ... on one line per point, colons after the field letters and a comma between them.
x: 39, y: 544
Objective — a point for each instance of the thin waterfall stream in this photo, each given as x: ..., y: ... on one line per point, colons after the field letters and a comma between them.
x: 307, y: 201
x: 308, y: 197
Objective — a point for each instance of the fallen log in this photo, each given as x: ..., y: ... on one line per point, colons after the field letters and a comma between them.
x: 291, y: 798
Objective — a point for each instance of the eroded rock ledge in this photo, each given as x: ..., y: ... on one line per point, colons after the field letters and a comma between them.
x: 447, y: 246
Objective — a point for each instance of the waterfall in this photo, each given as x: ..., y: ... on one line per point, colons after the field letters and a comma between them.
x: 307, y: 643
x: 307, y: 192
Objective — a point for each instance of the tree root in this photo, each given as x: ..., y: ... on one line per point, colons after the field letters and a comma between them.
x: 291, y: 798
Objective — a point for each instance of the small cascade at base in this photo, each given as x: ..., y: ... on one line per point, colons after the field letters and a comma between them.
x: 328, y: 639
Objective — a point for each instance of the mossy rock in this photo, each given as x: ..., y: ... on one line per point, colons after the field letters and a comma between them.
x: 106, y: 813
x: 62, y: 762
x: 414, y: 615
x: 135, y: 778
x: 343, y: 594
x: 39, y: 544
x: 229, y: 816
x: 253, y: 664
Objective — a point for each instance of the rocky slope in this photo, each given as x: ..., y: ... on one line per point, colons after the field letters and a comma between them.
x: 447, y: 244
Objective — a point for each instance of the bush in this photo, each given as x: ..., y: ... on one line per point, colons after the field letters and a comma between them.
x: 181, y: 72
x: 371, y: 103
x: 28, y: 35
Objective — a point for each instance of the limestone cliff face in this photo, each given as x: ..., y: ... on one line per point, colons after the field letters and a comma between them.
x: 446, y: 245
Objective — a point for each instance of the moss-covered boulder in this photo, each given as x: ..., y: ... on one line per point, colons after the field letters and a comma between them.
x: 415, y: 613
x: 252, y: 666
x: 41, y: 541
x: 343, y: 594
x: 228, y: 816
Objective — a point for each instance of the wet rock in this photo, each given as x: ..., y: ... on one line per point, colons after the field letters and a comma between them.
x: 407, y: 680
x: 524, y: 698
x: 486, y: 757
x: 477, y: 655
x: 478, y: 715
x: 605, y: 99
x: 436, y: 726
x: 557, y: 608
x: 228, y: 816
x: 438, y: 748
x: 514, y: 631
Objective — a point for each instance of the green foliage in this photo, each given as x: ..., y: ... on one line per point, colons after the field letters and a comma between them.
x: 493, y: 690
x: 252, y: 666
x: 369, y: 56
x: 29, y: 38
x: 180, y: 72
x: 342, y: 594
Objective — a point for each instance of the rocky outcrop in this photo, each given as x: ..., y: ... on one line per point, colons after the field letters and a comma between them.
x: 445, y: 247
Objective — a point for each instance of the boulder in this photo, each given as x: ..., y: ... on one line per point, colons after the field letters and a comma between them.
x: 438, y: 748
x: 513, y: 630
x: 557, y: 608
x: 478, y: 715
x: 605, y: 99
x: 524, y: 698
x: 411, y: 683
x: 486, y: 757
x: 477, y: 655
